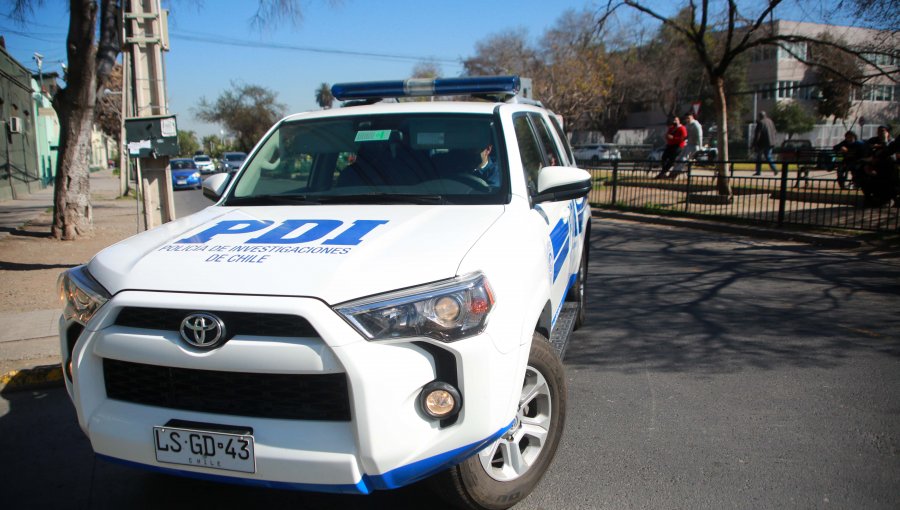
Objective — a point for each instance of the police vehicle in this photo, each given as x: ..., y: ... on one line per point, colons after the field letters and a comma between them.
x: 380, y: 296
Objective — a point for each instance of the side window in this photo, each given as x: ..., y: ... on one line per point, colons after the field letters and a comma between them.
x: 529, y: 150
x: 565, y: 141
x: 551, y: 153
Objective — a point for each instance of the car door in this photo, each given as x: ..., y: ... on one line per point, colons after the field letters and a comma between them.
x: 538, y: 150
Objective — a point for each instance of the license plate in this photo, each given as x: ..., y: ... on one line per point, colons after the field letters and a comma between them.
x: 201, y: 448
x: 181, y: 181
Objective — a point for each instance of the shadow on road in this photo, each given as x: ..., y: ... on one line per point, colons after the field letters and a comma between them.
x: 708, y: 303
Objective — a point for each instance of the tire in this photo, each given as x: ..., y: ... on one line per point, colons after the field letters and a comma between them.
x: 488, y: 480
x: 595, y: 160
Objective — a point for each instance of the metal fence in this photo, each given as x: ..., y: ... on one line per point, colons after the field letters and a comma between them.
x: 796, y: 195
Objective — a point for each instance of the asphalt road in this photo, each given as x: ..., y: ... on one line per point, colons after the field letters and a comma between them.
x: 715, y: 372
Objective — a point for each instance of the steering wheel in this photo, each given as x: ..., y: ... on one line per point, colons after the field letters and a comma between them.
x: 475, y: 182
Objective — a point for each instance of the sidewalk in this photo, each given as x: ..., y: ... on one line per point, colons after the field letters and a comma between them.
x: 29, y: 340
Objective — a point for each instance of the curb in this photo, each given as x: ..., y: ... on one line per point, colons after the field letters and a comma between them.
x: 44, y: 376
x: 730, y: 228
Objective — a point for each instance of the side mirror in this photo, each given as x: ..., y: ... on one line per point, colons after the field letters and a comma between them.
x: 558, y: 183
x: 215, y: 185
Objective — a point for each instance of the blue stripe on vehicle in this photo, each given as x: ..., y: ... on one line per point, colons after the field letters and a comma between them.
x: 358, y: 488
x: 560, y: 259
x: 559, y: 236
x: 393, y: 479
x: 562, y: 301
x: 424, y: 468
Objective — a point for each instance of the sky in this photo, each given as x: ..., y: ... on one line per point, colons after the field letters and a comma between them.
x: 213, y: 43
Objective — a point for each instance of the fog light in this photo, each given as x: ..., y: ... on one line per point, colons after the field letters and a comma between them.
x: 440, y: 400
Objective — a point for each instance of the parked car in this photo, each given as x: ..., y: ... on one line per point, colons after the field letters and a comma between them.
x: 596, y: 152
x: 185, y: 174
x: 205, y: 164
x: 361, y: 324
x: 232, y: 161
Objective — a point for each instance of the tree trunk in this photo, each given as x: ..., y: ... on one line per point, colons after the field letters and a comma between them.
x: 723, y: 184
x: 72, y: 212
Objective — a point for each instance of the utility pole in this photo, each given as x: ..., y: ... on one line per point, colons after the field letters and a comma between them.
x: 146, y: 38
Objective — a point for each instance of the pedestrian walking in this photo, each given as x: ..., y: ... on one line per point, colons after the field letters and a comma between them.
x: 764, y: 142
x: 676, y: 135
x: 694, y: 142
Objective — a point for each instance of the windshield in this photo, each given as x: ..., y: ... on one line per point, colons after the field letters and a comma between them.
x: 235, y: 157
x: 374, y: 159
x: 202, y: 159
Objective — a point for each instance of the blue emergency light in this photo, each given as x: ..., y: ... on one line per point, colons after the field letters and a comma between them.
x: 415, y: 87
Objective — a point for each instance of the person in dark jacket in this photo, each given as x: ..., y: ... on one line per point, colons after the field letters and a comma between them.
x: 852, y: 151
x: 764, y: 142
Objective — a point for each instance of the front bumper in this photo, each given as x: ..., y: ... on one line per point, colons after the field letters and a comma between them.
x: 387, y: 441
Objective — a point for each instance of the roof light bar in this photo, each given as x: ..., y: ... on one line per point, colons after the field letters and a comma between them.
x: 416, y: 87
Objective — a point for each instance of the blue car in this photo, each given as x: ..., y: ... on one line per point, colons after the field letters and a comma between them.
x: 185, y: 174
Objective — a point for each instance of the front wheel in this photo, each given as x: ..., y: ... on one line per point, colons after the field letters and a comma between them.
x: 506, y: 471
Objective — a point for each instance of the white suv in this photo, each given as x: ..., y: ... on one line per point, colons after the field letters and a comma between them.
x: 381, y: 295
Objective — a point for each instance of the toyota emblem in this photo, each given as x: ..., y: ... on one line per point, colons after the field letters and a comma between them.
x: 202, y: 330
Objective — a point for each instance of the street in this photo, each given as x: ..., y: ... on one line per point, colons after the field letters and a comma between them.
x: 715, y: 371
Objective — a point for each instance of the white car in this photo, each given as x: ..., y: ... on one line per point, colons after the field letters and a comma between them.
x: 596, y: 153
x: 205, y: 164
x: 380, y: 296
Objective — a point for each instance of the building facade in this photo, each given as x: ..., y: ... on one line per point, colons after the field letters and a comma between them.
x: 20, y: 172
x: 776, y: 74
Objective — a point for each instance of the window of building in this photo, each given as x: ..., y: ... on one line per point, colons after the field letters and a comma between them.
x: 762, y: 53
x: 788, y: 50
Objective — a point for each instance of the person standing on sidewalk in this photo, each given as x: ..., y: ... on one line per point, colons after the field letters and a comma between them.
x: 694, y: 142
x: 764, y: 142
x: 675, y: 141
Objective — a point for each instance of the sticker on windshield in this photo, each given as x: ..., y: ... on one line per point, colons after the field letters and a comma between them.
x: 375, y: 135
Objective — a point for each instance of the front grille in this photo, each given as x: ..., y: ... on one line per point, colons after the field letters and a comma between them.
x: 236, y: 323
x: 283, y: 396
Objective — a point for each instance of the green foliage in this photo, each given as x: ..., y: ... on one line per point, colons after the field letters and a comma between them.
x: 323, y: 96
x: 791, y: 118
x: 187, y: 142
x: 247, y: 111
x: 836, y: 71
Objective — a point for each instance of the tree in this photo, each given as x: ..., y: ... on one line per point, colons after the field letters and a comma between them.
x: 571, y: 77
x: 718, y: 42
x: 214, y: 146
x: 501, y: 54
x: 108, y: 110
x: 323, y: 96
x: 247, y: 111
x: 92, y: 46
x: 187, y: 142
x: 791, y: 118
x: 836, y: 73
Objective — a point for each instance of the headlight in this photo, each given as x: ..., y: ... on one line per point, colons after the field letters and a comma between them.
x: 195, y: 175
x: 81, y: 294
x: 446, y: 311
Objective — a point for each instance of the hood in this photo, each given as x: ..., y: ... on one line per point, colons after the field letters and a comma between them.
x: 334, y: 253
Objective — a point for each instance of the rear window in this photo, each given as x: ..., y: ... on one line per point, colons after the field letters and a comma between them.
x: 182, y: 164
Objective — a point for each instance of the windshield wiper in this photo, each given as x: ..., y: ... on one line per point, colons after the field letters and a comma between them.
x: 383, y: 198
x: 273, y: 200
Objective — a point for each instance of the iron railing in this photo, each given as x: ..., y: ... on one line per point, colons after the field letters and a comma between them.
x: 802, y: 195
